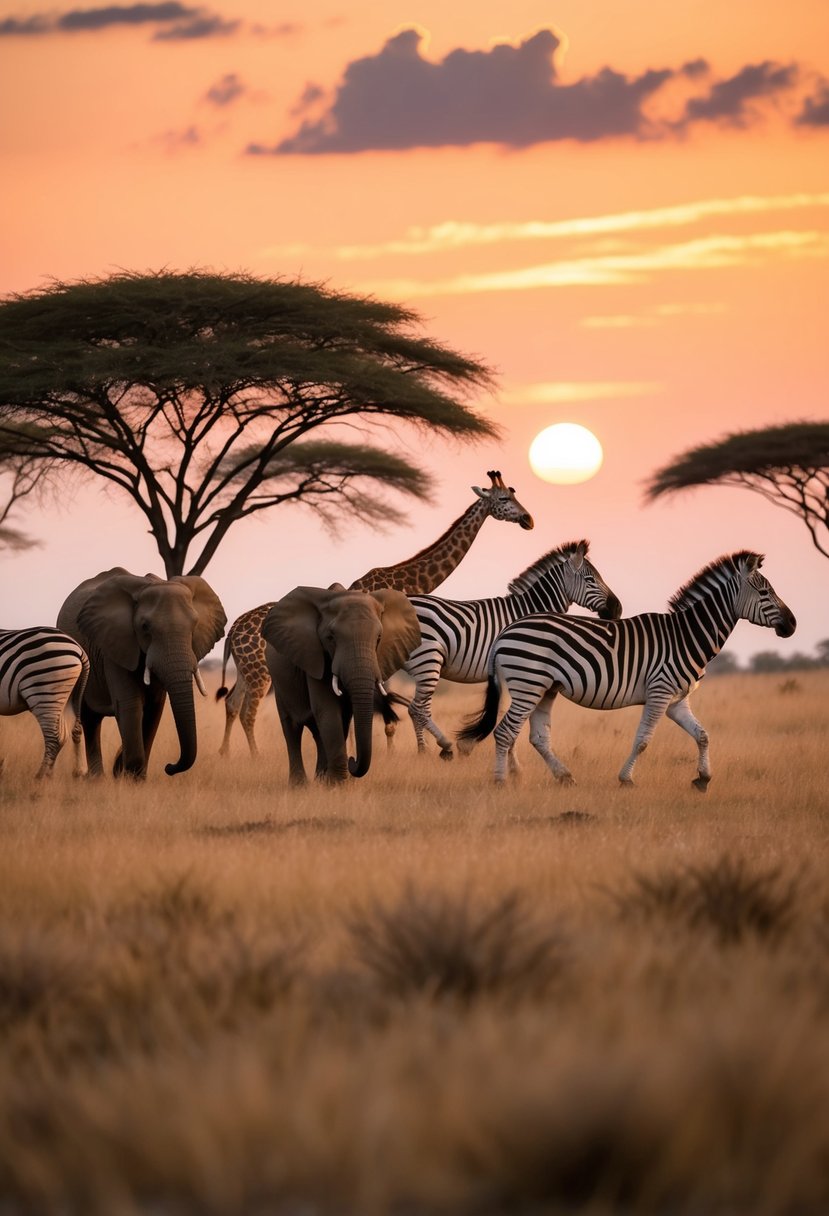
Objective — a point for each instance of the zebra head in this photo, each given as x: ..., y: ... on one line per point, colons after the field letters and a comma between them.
x: 585, y: 586
x: 757, y: 601
x: 502, y: 503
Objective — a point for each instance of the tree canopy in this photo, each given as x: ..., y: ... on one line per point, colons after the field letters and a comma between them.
x: 788, y: 465
x: 209, y: 397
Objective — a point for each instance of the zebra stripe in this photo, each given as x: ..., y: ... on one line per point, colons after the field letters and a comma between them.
x: 40, y: 670
x: 457, y: 634
x: 655, y: 660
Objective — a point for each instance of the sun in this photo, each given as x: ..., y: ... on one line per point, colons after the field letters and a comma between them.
x: 565, y: 454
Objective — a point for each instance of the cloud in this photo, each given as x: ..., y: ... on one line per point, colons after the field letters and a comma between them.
x: 512, y: 95
x: 226, y: 90
x: 173, y: 21
x: 730, y: 100
x: 614, y: 269
x: 454, y: 235
x: 507, y: 95
x: 815, y: 111
x: 561, y: 392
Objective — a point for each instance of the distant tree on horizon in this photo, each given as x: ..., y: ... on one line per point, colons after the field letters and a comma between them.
x: 788, y: 465
x: 209, y: 397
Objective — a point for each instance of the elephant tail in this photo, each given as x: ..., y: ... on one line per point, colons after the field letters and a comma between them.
x: 223, y: 690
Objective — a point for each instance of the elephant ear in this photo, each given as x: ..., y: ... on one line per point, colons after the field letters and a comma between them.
x: 292, y: 628
x: 401, y: 631
x: 212, y: 617
x: 106, y: 618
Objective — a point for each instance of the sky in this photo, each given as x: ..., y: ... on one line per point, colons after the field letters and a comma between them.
x: 623, y: 210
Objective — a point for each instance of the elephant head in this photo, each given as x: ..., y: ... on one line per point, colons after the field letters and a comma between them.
x: 148, y: 634
x: 349, y: 640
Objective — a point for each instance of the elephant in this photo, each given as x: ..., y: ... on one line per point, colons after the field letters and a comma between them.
x: 328, y: 651
x: 144, y: 637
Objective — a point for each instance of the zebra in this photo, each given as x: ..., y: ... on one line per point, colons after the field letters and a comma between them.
x: 41, y: 669
x: 655, y: 660
x: 457, y: 634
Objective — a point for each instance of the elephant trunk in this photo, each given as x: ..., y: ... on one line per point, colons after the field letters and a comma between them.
x: 361, y: 695
x: 184, y: 715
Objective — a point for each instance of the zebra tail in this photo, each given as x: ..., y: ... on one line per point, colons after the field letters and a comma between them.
x: 222, y: 691
x: 479, y: 726
x: 76, y: 699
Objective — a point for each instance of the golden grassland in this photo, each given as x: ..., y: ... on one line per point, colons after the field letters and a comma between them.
x: 419, y: 993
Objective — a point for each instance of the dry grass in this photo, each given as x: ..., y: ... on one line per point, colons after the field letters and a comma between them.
x: 419, y: 993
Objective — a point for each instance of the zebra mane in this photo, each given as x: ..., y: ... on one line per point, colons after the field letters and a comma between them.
x: 556, y: 557
x: 715, y: 574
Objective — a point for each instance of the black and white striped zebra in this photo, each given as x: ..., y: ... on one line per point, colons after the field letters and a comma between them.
x: 655, y: 660
x: 457, y: 634
x: 40, y: 670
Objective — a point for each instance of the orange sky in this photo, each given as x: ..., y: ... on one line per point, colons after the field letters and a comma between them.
x: 643, y: 254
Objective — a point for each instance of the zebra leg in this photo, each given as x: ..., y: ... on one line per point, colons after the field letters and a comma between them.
x: 506, y: 732
x: 233, y: 700
x: 680, y: 712
x: 420, y: 708
x: 653, y: 711
x: 53, y: 728
x: 540, y: 739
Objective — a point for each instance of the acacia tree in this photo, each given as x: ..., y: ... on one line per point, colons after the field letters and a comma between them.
x: 787, y: 465
x: 21, y: 475
x: 210, y: 397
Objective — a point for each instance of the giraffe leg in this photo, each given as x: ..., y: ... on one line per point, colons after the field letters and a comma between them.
x: 233, y: 702
x: 652, y: 712
x: 247, y: 715
x: 680, y: 712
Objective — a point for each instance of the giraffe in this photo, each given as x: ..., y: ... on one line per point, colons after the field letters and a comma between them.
x: 418, y: 575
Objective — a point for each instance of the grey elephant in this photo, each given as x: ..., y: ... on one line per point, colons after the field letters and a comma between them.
x: 144, y: 636
x: 328, y: 651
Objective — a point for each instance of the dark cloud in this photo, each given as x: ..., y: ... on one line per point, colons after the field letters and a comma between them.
x: 226, y: 90
x: 508, y: 95
x: 815, y: 110
x: 172, y: 21
x: 731, y: 100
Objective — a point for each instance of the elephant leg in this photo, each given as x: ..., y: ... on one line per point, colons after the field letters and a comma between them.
x: 331, y: 723
x: 322, y: 759
x: 129, y: 713
x: 151, y: 719
x: 292, y: 732
x: 91, y: 725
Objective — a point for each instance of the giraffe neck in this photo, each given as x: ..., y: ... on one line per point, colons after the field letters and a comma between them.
x: 427, y: 569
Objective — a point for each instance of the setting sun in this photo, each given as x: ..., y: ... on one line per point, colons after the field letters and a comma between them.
x: 565, y: 453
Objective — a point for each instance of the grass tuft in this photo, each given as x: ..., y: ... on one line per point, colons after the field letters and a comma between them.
x: 440, y: 946
x: 723, y: 896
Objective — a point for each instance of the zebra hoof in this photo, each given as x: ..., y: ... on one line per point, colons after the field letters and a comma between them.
x: 701, y: 783
x: 566, y: 779
x: 446, y: 753
x: 627, y: 783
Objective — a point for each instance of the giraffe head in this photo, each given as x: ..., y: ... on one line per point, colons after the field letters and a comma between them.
x: 502, y: 503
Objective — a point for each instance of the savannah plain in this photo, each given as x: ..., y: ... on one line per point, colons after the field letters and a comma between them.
x: 418, y: 993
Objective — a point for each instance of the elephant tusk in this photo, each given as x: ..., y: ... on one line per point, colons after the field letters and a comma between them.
x: 199, y: 682
x: 147, y: 674
x: 335, y: 684
x: 382, y: 688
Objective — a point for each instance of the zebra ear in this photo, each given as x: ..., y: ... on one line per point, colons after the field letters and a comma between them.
x: 752, y: 562
x: 577, y: 556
